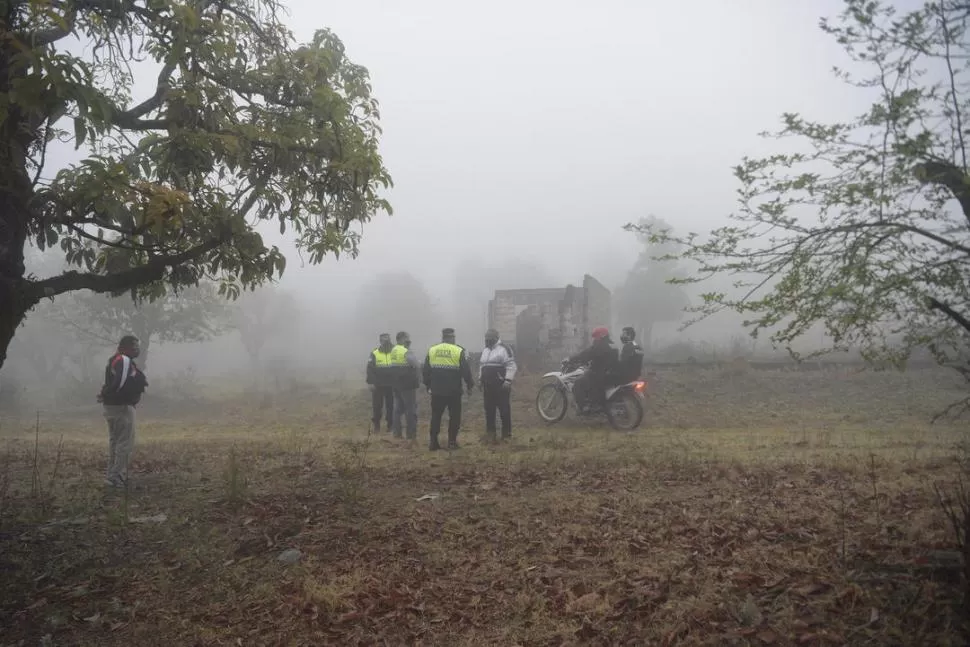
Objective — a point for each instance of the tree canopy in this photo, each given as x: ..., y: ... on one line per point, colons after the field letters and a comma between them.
x: 647, y: 297
x: 242, y: 127
x: 865, y: 229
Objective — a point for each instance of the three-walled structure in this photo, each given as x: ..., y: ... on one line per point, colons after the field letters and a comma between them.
x: 548, y: 324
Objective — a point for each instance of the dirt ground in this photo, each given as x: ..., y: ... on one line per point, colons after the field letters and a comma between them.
x: 750, y: 509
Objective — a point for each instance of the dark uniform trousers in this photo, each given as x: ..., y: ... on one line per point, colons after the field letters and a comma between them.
x: 438, y: 405
x: 498, y: 400
x: 382, y: 401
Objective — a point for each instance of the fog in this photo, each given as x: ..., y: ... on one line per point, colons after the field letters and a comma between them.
x: 521, y: 137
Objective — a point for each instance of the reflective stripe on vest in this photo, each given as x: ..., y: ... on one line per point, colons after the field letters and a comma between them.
x: 446, y: 356
x: 399, y: 356
x: 382, y: 359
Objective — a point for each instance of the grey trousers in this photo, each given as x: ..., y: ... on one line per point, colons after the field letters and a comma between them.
x: 405, y: 404
x: 121, y: 439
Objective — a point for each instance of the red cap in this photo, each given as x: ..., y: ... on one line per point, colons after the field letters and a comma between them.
x: 600, y: 333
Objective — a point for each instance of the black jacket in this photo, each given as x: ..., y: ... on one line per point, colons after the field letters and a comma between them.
x: 446, y: 380
x: 124, y: 383
x: 601, y: 356
x: 631, y: 363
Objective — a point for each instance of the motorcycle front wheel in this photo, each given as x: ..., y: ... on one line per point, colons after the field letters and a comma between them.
x: 625, y: 411
x: 552, y: 403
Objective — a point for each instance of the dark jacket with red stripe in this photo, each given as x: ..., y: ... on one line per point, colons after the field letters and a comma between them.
x: 124, y: 382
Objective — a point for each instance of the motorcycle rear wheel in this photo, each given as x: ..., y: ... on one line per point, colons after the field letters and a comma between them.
x: 625, y: 411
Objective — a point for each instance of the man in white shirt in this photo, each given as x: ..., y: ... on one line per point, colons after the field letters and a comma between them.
x: 495, y: 374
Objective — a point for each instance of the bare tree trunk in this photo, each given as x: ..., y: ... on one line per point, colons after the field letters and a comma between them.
x: 10, y: 319
x: 16, y: 195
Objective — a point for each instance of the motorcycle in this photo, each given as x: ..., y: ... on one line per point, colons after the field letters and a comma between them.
x: 624, y: 403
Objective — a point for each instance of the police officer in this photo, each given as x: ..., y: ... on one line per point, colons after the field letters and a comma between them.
x: 445, y: 366
x: 406, y: 384
x: 380, y: 381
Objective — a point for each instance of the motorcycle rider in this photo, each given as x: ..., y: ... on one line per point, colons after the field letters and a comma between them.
x: 630, y: 366
x: 601, y: 355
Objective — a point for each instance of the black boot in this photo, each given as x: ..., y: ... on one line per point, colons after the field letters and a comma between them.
x: 434, y: 446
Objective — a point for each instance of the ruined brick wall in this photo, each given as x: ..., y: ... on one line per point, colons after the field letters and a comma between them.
x: 547, y: 325
x: 507, y: 305
x: 598, y: 307
x: 501, y: 316
x: 529, y: 334
x: 570, y: 332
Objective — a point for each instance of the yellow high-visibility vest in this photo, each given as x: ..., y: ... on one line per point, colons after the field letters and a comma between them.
x: 399, y: 356
x: 445, y: 356
x: 382, y: 359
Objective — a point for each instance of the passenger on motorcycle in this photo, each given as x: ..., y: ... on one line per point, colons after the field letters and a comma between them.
x: 601, y: 355
x: 630, y: 366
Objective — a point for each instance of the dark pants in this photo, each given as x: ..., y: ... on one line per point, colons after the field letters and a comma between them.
x: 498, y: 399
x: 382, y: 401
x: 438, y: 405
x: 590, y: 389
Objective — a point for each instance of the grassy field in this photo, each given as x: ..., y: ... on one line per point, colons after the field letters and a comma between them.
x: 750, y: 509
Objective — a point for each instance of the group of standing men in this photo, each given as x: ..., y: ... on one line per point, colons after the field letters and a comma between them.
x: 394, y: 376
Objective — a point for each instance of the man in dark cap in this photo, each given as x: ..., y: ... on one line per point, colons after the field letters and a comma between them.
x: 445, y: 366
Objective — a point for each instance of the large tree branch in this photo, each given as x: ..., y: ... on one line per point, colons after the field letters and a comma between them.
x: 151, y: 271
x: 912, y: 229
x: 155, y: 101
x: 118, y: 244
x: 950, y: 176
x: 123, y: 120
x: 46, y: 37
x: 936, y: 304
x: 71, y: 9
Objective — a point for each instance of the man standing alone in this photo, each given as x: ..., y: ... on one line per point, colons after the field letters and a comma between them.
x: 445, y: 366
x: 496, y: 372
x: 406, y: 385
x: 123, y: 386
x: 380, y: 381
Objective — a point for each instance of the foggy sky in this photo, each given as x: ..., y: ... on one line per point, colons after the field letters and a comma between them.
x: 558, y: 122
x: 537, y: 129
